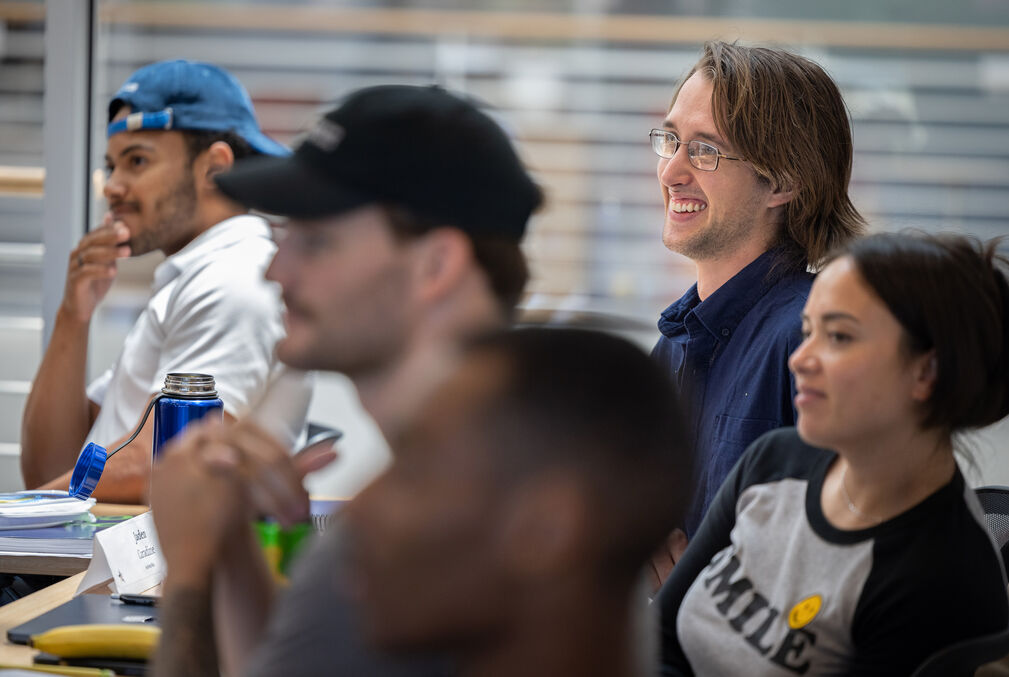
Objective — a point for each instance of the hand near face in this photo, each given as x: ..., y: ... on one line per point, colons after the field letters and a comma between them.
x: 195, y: 505
x: 271, y: 477
x: 213, y: 482
x: 92, y: 267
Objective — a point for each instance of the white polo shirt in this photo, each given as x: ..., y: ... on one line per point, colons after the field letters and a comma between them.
x: 211, y: 312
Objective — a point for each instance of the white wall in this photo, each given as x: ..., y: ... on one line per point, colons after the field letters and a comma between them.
x: 363, y: 451
x: 10, y: 473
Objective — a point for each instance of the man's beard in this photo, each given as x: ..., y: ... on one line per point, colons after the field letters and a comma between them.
x: 174, y: 216
x: 722, y: 236
x: 716, y: 240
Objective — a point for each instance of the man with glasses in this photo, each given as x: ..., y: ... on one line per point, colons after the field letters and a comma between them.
x: 754, y: 163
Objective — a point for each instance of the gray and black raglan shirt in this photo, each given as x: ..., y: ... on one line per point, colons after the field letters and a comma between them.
x: 769, y: 587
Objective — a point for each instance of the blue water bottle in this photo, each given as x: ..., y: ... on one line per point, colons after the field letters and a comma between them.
x: 184, y: 399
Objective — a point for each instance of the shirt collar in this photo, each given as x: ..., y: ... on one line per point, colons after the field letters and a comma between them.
x: 203, y: 246
x: 671, y: 319
x: 722, y: 312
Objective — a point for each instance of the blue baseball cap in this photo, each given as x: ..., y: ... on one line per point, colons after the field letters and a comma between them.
x: 189, y: 95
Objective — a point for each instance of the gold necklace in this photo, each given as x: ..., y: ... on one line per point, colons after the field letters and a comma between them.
x: 851, y: 504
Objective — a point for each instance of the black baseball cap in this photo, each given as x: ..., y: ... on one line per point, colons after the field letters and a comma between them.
x: 421, y: 148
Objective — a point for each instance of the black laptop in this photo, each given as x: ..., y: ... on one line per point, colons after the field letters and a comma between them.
x: 84, y: 609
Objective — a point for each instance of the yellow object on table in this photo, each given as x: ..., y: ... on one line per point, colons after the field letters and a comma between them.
x: 68, y: 670
x: 97, y: 640
x: 27, y: 608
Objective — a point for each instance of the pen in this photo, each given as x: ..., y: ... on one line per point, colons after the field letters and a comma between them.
x: 140, y: 600
x: 61, y: 670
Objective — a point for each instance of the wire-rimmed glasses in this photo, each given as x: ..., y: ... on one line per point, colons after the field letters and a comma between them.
x: 701, y: 155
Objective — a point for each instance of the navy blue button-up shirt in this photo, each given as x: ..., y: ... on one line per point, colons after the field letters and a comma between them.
x: 729, y: 355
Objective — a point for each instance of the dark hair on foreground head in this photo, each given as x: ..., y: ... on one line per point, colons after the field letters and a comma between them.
x: 950, y: 295
x: 501, y: 259
x: 786, y: 116
x: 595, y: 405
x: 198, y: 141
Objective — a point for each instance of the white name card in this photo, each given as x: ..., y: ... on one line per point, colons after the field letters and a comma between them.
x: 129, y: 555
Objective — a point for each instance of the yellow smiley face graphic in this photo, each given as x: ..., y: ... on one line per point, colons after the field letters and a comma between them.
x: 804, y: 612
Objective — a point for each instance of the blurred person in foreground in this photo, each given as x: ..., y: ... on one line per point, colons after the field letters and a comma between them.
x: 406, y: 207
x: 851, y: 544
x: 525, y: 496
x: 173, y: 127
x: 754, y: 163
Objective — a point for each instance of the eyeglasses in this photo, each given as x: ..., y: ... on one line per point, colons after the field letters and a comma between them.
x: 702, y: 155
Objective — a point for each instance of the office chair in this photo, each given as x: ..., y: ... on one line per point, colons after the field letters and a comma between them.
x: 995, y: 503
x: 964, y: 658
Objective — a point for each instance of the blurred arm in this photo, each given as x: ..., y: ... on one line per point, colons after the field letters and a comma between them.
x: 187, y: 637
x: 243, y: 599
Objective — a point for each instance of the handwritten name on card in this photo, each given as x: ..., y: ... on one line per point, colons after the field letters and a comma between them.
x: 129, y: 555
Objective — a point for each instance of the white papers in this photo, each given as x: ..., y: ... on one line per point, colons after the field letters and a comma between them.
x: 129, y: 554
x: 31, y: 509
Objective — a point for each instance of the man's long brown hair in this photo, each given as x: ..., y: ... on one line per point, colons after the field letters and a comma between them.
x: 786, y: 116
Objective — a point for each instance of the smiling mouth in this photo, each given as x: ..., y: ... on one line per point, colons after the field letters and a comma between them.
x: 681, y: 205
x: 681, y: 208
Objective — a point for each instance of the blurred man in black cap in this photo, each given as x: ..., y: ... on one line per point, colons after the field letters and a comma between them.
x: 405, y: 207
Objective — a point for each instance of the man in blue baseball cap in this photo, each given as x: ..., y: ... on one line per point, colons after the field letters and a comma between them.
x: 173, y: 127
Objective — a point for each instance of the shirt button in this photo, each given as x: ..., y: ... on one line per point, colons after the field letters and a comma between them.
x: 725, y: 332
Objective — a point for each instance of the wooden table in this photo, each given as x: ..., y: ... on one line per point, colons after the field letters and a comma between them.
x: 115, y: 509
x: 36, y: 604
x: 45, y: 565
x: 62, y: 565
x: 27, y: 608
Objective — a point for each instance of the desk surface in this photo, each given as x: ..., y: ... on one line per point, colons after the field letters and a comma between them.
x: 62, y: 565
x: 113, y: 509
x: 45, y: 565
x: 27, y: 608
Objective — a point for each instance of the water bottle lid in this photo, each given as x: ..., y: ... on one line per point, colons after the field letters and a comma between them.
x: 88, y: 470
x: 188, y: 385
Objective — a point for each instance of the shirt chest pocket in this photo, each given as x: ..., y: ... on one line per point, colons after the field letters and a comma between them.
x: 732, y: 435
x: 737, y: 430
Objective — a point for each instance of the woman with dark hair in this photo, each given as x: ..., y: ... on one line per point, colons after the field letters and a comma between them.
x: 850, y: 545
